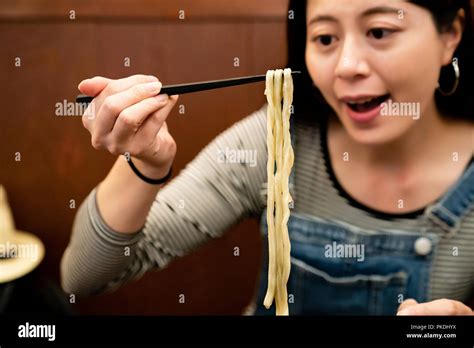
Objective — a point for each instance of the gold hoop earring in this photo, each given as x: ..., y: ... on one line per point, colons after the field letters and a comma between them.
x: 457, y: 73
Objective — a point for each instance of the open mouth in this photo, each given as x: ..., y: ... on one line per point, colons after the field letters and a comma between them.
x: 368, y: 105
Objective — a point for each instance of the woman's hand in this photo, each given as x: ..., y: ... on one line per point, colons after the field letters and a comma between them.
x: 128, y: 116
x: 437, y: 307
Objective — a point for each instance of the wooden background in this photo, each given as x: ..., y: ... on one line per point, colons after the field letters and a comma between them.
x: 58, y: 163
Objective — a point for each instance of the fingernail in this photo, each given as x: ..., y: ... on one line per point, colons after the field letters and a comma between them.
x: 80, y: 83
x: 405, y: 312
x: 152, y: 78
x: 162, y: 97
x: 153, y: 87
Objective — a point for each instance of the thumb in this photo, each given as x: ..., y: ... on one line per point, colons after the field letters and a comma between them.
x: 93, y: 86
x: 174, y: 99
x: 407, y: 304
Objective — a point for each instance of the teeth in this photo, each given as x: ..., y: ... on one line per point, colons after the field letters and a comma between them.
x: 361, y: 101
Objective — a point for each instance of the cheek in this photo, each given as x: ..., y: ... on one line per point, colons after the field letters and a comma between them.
x: 412, y: 70
x: 426, y: 66
x: 311, y: 65
x: 320, y: 71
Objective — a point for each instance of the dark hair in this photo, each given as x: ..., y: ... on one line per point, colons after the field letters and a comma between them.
x: 309, y: 102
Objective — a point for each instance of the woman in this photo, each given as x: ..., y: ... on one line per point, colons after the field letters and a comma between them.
x: 383, y: 199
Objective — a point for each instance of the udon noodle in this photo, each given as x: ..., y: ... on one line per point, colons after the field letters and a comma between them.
x: 279, y: 85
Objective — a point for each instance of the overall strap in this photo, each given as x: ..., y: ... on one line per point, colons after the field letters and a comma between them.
x: 449, y: 211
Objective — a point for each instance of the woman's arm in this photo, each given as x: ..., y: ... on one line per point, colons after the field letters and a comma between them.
x: 436, y: 307
x: 202, y: 202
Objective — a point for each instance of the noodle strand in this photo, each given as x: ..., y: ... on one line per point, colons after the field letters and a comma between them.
x: 280, y: 162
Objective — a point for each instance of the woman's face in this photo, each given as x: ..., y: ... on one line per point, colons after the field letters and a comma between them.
x: 385, y: 50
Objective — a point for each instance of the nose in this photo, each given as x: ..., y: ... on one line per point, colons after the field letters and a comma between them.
x: 352, y: 63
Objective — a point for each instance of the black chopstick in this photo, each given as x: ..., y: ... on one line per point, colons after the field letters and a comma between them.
x: 197, y: 86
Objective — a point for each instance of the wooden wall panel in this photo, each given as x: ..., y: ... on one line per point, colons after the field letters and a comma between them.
x: 57, y: 161
x: 153, y: 9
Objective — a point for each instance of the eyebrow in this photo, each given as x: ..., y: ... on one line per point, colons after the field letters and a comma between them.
x: 367, y: 13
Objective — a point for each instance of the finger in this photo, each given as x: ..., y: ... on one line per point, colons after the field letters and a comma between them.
x: 121, y: 85
x: 156, y: 125
x: 406, y: 304
x: 116, y: 104
x: 158, y: 119
x: 93, y: 86
x: 164, y: 113
x: 132, y: 118
x: 438, y: 307
x: 164, y: 126
x: 87, y: 118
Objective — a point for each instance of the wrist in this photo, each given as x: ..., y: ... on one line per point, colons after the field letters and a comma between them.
x: 149, y: 170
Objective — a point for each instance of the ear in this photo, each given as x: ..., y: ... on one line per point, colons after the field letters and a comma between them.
x: 452, y: 37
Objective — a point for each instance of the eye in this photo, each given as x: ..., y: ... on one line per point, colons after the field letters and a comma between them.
x: 324, y: 40
x: 380, y: 33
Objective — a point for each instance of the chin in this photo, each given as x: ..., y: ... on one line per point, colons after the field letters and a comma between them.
x: 376, y: 134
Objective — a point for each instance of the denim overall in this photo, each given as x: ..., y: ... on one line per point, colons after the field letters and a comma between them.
x: 396, y: 263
